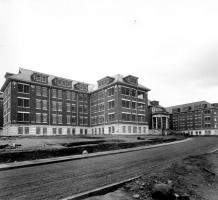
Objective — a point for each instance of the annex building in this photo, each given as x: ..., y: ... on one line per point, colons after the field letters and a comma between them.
x: 197, y: 118
x: 35, y: 103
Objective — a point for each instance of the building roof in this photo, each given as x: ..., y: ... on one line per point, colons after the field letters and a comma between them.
x: 118, y: 78
x: 25, y: 75
x: 191, y: 105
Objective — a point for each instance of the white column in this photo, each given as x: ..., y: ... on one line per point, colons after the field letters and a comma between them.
x: 166, y: 123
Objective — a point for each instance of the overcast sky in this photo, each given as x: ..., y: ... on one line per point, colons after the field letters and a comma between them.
x: 172, y: 46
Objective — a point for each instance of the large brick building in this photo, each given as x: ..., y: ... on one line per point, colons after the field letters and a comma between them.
x: 198, y: 118
x: 40, y: 104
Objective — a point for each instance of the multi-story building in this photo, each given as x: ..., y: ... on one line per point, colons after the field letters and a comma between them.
x: 41, y: 104
x: 119, y: 105
x: 198, y: 118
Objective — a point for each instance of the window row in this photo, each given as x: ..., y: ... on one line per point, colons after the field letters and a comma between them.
x: 41, y: 117
x: 97, y: 120
x: 133, y: 129
x: 132, y: 92
x: 132, y: 117
x: 43, y: 130
x: 41, y: 104
x: 132, y: 105
x: 41, y: 91
x: 98, y: 108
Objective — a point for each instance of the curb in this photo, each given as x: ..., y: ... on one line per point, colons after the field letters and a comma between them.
x: 103, y: 190
x: 16, y: 165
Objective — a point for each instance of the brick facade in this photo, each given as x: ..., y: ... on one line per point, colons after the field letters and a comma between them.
x: 41, y: 104
x: 198, y: 118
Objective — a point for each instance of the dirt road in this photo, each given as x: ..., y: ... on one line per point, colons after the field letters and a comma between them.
x: 59, y: 180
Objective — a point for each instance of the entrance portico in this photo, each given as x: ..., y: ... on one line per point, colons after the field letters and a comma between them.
x: 160, y: 121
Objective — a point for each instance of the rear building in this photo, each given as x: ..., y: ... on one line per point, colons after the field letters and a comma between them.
x: 197, y: 118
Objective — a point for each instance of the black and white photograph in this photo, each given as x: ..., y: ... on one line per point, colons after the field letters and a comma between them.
x: 108, y: 100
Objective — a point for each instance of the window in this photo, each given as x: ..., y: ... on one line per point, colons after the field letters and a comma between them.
x: 111, y: 117
x: 133, y: 93
x: 38, y: 90
x: 126, y: 116
x: 59, y: 119
x: 68, y: 107
x: 124, y: 129
x: 38, y: 117
x: 133, y: 105
x: 80, y: 120
x: 141, y: 106
x: 73, y: 108
x: 44, y: 92
x: 133, y: 117
x: 81, y: 131
x: 86, y: 131
x: 140, y: 129
x: 38, y: 104
x: 141, y: 95
x: 134, y: 129
x: 125, y: 91
x: 54, y: 93
x: 44, y: 104
x: 68, y: 119
x: 23, y: 88
x: 73, y: 131
x: 59, y: 106
x: 38, y: 130
x: 125, y: 104
x: 44, y: 131
x: 68, y: 131
x: 73, y: 95
x: 111, y: 91
x: 141, y: 118
x: 23, y: 102
x: 54, y: 131
x: 113, y: 129
x: 44, y: 117
x: 20, y: 130
x: 54, y: 118
x: 144, y: 129
x: 27, y: 130
x: 207, y: 112
x: 23, y: 117
x: 85, y: 97
x: 74, y: 120
x: 54, y: 106
x: 129, y: 129
x: 111, y: 104
x: 60, y: 131
x: 80, y: 108
x: 80, y: 97
x: 68, y: 95
x: 60, y: 94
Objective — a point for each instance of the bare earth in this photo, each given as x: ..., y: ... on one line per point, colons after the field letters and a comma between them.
x: 47, y: 142
x: 194, y: 176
